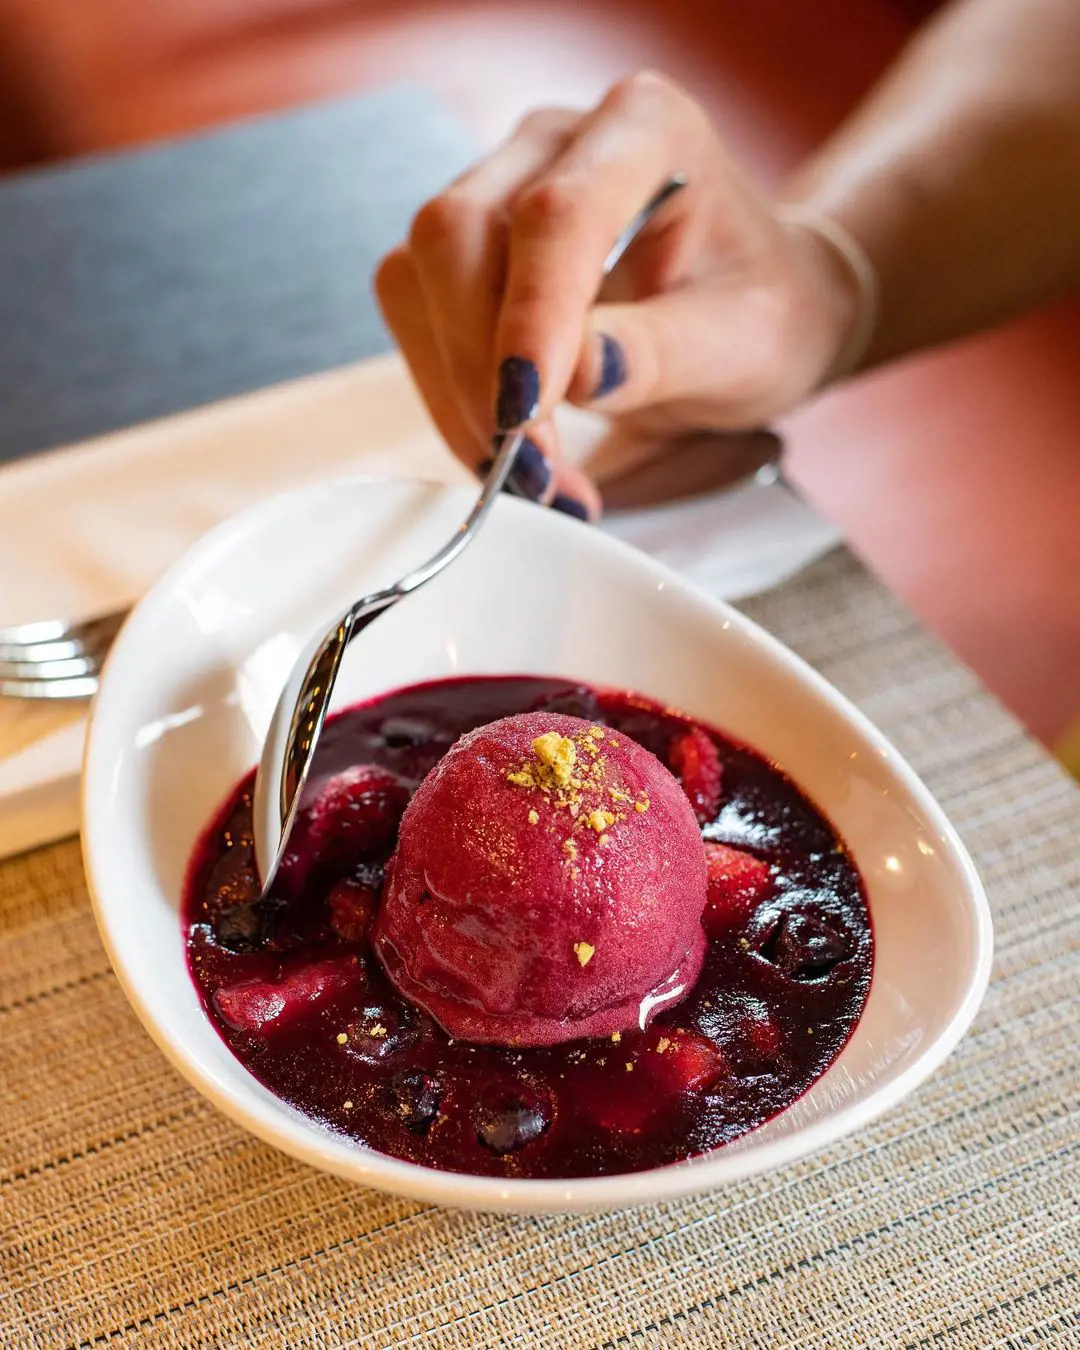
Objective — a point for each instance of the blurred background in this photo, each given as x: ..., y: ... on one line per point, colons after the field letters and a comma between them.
x: 78, y: 76
x: 953, y: 475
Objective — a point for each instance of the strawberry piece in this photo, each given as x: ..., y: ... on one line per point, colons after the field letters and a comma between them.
x: 737, y: 883
x: 666, y: 1064
x: 260, y: 1005
x: 680, y: 1061
x: 695, y: 761
x: 352, y: 906
x: 356, y: 812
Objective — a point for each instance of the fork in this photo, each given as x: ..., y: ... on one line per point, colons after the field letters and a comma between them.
x: 56, y: 659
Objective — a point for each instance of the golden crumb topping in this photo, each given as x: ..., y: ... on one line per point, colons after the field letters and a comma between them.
x: 584, y: 951
x: 571, y: 773
x: 556, y: 755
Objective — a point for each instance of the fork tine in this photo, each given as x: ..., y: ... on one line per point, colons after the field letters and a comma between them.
x: 59, y: 640
x: 56, y: 659
x: 80, y: 687
x: 71, y: 668
x: 23, y: 634
x: 34, y: 652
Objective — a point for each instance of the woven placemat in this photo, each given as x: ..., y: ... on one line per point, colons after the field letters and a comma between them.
x: 132, y: 1212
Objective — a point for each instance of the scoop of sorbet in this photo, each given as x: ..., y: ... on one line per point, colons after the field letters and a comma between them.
x: 548, y: 884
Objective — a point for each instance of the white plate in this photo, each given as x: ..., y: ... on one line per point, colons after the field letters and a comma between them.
x: 191, y: 684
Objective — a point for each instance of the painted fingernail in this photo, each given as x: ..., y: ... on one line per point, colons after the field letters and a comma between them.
x: 531, y: 475
x: 518, y: 399
x: 613, y: 369
x: 569, y: 506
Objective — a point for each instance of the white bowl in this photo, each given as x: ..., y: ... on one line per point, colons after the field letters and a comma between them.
x: 191, y: 683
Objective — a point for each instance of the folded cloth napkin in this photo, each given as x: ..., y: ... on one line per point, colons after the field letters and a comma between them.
x: 88, y: 528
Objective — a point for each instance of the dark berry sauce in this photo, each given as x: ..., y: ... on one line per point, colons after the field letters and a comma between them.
x: 296, y: 994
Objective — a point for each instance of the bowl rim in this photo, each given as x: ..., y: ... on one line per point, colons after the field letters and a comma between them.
x: 305, y: 1140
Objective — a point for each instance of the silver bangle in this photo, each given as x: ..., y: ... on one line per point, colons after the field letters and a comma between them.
x: 868, y: 287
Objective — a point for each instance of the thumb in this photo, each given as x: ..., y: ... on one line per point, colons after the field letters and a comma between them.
x: 707, y: 356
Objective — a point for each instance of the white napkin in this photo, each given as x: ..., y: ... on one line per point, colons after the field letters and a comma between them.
x: 88, y: 528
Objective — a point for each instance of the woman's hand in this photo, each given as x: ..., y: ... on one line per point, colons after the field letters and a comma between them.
x: 720, y: 317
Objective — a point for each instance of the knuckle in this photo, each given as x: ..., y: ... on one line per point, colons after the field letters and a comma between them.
x: 644, y: 87
x: 529, y: 293
x: 392, y: 275
x: 441, y: 219
x: 543, y: 124
x: 552, y: 206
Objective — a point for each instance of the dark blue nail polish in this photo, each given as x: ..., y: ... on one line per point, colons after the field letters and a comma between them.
x: 613, y: 369
x: 570, y: 506
x: 519, y: 393
x: 531, y: 475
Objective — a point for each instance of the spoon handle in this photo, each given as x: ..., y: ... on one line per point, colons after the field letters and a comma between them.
x: 660, y: 197
x: 493, y: 484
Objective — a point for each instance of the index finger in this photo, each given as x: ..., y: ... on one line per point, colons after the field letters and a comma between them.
x: 563, y: 228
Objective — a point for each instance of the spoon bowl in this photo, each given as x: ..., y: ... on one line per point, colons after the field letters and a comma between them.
x: 304, y: 701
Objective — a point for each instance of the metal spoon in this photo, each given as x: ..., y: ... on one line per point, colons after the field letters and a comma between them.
x: 303, y: 703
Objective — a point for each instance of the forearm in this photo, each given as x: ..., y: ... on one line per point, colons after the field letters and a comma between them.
x: 960, y: 175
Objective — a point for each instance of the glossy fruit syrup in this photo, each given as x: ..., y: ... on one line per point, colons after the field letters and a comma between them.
x: 294, y: 990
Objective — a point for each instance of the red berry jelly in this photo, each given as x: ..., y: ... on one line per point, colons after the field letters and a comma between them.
x: 295, y: 991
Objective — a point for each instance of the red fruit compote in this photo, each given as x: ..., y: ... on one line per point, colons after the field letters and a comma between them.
x: 297, y: 990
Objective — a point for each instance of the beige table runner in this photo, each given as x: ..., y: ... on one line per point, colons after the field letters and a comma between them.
x: 133, y: 1213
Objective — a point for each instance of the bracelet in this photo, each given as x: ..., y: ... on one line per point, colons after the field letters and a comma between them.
x: 868, y: 287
